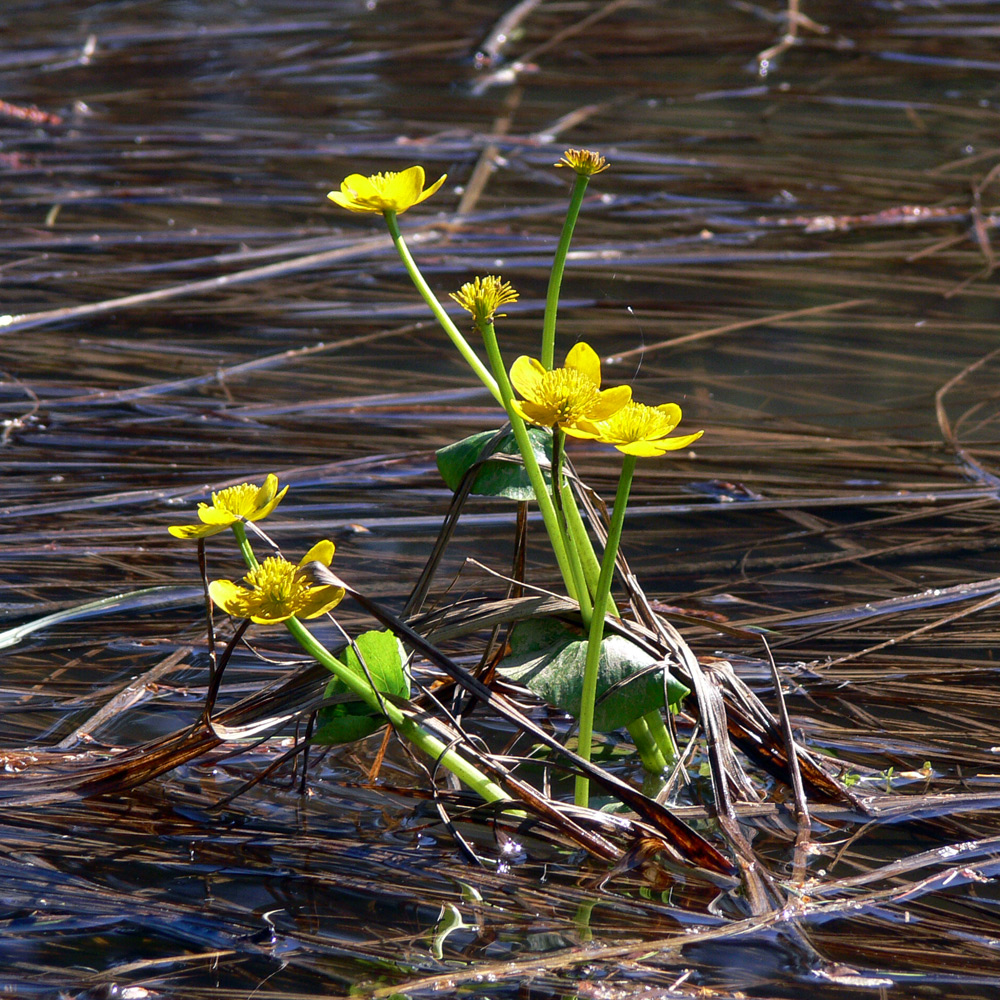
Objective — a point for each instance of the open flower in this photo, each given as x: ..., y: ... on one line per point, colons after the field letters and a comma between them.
x: 569, y: 397
x: 642, y: 430
x: 245, y: 502
x: 482, y: 297
x: 277, y: 590
x: 388, y: 192
x: 583, y: 161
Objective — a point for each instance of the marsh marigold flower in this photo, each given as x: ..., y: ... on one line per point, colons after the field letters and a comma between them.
x: 642, y: 430
x: 278, y: 590
x: 245, y: 502
x: 388, y: 192
x: 482, y: 297
x: 569, y: 397
x: 583, y: 161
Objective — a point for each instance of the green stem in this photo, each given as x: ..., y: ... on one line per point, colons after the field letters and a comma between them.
x: 406, y: 727
x: 558, y: 266
x: 661, y: 734
x: 442, y: 317
x: 596, y: 636
x: 535, y: 477
x: 584, y: 546
x: 241, y: 536
x: 583, y: 592
x: 646, y: 743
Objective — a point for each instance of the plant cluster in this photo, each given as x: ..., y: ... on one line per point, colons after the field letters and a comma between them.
x: 595, y: 672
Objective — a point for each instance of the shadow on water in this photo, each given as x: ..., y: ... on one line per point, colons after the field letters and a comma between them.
x: 801, y: 259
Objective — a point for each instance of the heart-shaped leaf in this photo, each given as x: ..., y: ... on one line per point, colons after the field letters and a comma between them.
x: 353, y: 720
x: 497, y: 477
x: 548, y: 657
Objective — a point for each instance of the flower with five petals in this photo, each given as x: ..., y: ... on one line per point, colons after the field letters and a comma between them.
x: 384, y: 192
x: 637, y: 429
x: 569, y: 397
x: 278, y: 590
x: 245, y: 502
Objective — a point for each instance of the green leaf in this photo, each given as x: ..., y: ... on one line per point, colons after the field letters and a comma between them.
x: 548, y: 657
x: 496, y: 477
x: 353, y: 720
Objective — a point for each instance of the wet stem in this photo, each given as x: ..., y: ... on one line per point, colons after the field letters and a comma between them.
x: 437, y: 751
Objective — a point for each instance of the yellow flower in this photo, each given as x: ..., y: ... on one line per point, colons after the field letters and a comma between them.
x: 484, y: 296
x: 642, y: 430
x: 583, y: 161
x: 245, y: 502
x: 279, y: 590
x: 569, y: 397
x: 388, y: 192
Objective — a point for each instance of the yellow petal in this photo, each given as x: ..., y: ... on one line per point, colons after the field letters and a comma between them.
x: 535, y: 413
x: 584, y: 429
x: 526, y: 376
x: 673, y: 414
x: 642, y: 449
x: 519, y: 410
x: 216, y: 516
x: 348, y: 202
x: 230, y: 597
x: 262, y: 512
x: 674, y: 444
x: 610, y: 402
x: 431, y: 189
x: 584, y: 359
x: 269, y: 619
x: 321, y: 552
x: 406, y: 188
x: 359, y: 188
x: 321, y: 600
x: 195, y: 530
x: 266, y: 493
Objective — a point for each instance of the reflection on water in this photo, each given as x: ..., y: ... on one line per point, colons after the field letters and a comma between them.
x: 802, y: 261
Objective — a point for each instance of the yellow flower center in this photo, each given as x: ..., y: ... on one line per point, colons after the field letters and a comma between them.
x: 583, y: 161
x: 383, y: 182
x: 278, y: 589
x: 484, y: 296
x: 237, y: 500
x: 637, y: 422
x: 568, y: 393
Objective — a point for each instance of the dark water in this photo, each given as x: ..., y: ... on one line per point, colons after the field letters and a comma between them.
x: 802, y: 260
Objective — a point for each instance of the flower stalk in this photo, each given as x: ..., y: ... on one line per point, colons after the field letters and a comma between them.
x: 584, y: 164
x: 596, y: 634
x: 558, y: 268
x: 454, y: 334
x: 535, y: 477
